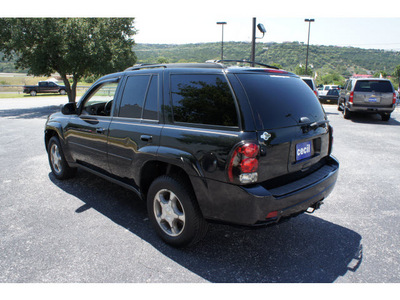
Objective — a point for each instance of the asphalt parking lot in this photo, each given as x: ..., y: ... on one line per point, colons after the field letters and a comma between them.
x: 88, y: 230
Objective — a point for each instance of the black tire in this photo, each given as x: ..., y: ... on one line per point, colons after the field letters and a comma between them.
x: 174, y: 212
x: 346, y: 113
x: 33, y: 93
x: 58, y: 164
x: 63, y: 92
x: 339, y: 107
x: 385, y: 117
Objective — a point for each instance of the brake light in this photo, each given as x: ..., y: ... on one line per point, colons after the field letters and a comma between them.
x: 330, y: 139
x: 394, y: 98
x: 316, y: 93
x: 351, y: 97
x: 276, y: 71
x: 243, y: 165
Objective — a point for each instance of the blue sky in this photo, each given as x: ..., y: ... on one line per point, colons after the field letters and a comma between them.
x: 356, y: 23
x: 376, y: 33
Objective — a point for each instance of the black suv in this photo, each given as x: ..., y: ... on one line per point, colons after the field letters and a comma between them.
x: 201, y: 142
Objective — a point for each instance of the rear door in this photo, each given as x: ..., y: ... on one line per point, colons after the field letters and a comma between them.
x: 291, y: 123
x: 202, y: 124
x: 44, y: 87
x: 135, y: 129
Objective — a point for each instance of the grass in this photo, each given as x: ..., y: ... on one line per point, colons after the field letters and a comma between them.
x: 20, y: 79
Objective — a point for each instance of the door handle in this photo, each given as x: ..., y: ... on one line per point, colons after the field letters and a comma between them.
x: 146, y: 138
x: 100, y: 130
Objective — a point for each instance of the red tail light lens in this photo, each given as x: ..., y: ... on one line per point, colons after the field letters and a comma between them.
x: 243, y: 165
x: 249, y: 165
x: 249, y: 150
x: 351, y: 97
x: 394, y: 98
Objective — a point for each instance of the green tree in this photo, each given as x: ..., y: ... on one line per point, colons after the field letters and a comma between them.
x: 379, y: 73
x: 396, y: 74
x: 301, y: 70
x: 70, y: 46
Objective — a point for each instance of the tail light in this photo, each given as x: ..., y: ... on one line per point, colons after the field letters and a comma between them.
x: 351, y: 97
x: 243, y: 166
x: 394, y: 98
x: 316, y: 93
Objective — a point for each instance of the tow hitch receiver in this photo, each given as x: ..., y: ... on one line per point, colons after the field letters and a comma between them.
x: 314, y: 207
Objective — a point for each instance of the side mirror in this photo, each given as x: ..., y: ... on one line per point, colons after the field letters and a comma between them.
x: 69, y: 108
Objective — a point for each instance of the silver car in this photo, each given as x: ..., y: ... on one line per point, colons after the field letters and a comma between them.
x: 367, y: 95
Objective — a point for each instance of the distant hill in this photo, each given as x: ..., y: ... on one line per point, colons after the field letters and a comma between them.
x: 324, y: 59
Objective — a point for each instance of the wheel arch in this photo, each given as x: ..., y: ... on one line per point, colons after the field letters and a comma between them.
x: 154, y: 169
x: 48, y: 134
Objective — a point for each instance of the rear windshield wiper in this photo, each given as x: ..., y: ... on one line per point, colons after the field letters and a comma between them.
x: 307, y: 125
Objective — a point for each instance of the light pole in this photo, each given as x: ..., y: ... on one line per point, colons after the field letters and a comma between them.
x: 253, y: 39
x: 222, y: 41
x: 308, y: 41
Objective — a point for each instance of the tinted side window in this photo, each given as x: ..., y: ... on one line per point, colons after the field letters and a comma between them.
x: 133, y: 97
x: 203, y: 99
x: 150, y: 110
x: 350, y: 85
x: 309, y: 82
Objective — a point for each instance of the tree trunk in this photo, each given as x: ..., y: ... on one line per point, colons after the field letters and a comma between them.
x: 71, y: 91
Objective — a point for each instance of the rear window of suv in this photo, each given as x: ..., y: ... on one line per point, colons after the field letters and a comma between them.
x: 373, y: 86
x: 280, y: 101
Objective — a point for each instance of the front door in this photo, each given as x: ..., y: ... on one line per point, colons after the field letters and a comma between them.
x: 87, y: 133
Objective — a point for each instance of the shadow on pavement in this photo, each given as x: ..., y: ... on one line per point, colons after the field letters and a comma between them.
x: 30, y: 113
x: 304, y: 249
x: 372, y: 119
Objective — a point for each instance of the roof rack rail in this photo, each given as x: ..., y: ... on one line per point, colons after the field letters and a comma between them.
x: 145, y: 66
x: 173, y: 65
x: 244, y: 61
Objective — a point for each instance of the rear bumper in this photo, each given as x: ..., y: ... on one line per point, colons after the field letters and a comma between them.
x: 370, y: 109
x: 251, y: 205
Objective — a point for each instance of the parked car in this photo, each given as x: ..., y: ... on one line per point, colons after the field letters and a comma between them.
x: 199, y: 143
x: 326, y: 88
x: 310, y: 82
x: 332, y: 95
x: 367, y: 95
x: 44, y: 87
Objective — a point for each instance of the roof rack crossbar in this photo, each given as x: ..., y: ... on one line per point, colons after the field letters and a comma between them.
x: 245, y: 61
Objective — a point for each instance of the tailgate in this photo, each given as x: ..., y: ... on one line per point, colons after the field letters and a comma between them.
x: 292, y: 149
x: 291, y: 123
x: 373, y: 99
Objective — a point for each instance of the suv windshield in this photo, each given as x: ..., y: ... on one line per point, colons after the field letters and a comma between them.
x: 280, y: 101
x: 373, y: 86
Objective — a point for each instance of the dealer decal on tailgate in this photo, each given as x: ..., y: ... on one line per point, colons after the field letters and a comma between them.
x: 303, y: 150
